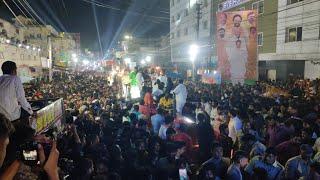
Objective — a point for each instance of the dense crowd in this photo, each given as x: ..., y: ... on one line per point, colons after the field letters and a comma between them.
x: 223, y: 132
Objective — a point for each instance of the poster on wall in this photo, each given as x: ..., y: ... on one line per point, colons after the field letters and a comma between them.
x: 237, y: 45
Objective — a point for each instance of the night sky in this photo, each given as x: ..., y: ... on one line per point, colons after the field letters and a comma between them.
x: 141, y: 18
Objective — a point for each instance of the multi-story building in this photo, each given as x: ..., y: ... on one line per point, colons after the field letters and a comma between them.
x: 288, y: 36
x: 63, y: 46
x: 298, y: 39
x: 58, y: 46
x: 28, y: 58
x: 36, y: 46
x: 9, y: 30
x: 157, y: 48
x: 183, y: 31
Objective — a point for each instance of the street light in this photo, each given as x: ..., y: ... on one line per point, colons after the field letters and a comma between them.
x: 27, y: 47
x: 75, y: 59
x: 8, y: 41
x: 143, y: 62
x: 148, y: 58
x: 127, y: 37
x: 85, y: 62
x: 193, y: 52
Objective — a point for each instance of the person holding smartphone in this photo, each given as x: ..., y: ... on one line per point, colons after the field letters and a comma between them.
x: 174, y: 165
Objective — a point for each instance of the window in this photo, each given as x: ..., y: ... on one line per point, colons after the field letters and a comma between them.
x: 293, y: 1
x: 186, y: 12
x: 178, y: 33
x: 205, y: 25
x: 259, y: 6
x: 172, y: 3
x: 205, y: 3
x: 260, y: 39
x: 242, y: 9
x: 178, y: 17
x: 186, y: 31
x: 293, y: 34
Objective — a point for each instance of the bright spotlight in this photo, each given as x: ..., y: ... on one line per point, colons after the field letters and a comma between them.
x: 193, y: 51
x: 143, y: 62
x: 192, y: 2
x: 39, y: 49
x: 85, y: 62
x: 34, y: 48
x: 214, y: 72
x: 148, y: 58
x: 8, y: 41
x: 127, y: 37
x: 74, y: 55
x: 28, y: 47
x: 19, y: 45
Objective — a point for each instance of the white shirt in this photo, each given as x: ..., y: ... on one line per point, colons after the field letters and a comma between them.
x: 140, y: 79
x: 163, y: 132
x: 234, y: 126
x: 164, y: 79
x: 4, y: 112
x: 12, y: 96
x: 181, y: 93
x: 207, y: 108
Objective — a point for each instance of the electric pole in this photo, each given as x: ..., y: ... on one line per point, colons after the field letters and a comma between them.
x: 199, y: 13
x: 198, y: 16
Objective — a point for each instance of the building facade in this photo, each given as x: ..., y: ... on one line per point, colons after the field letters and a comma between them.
x: 137, y: 49
x: 298, y: 39
x: 35, y: 46
x: 27, y: 56
x: 183, y: 31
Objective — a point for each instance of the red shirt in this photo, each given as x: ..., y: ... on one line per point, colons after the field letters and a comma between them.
x: 183, y: 137
x: 148, y: 100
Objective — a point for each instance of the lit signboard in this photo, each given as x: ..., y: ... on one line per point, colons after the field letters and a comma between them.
x: 230, y: 4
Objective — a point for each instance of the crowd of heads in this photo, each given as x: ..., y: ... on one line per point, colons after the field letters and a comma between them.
x: 107, y: 137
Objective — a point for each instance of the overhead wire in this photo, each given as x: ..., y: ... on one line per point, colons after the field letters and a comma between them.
x: 35, y: 13
x: 22, y: 11
x: 28, y: 11
x: 127, y: 11
x: 13, y: 13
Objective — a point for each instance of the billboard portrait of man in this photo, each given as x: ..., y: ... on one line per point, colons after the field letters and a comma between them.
x: 237, y: 45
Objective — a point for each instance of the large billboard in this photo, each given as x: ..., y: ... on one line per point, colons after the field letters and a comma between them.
x: 237, y: 45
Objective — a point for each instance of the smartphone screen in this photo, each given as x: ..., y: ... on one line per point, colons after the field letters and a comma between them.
x: 30, y: 155
x: 183, y: 174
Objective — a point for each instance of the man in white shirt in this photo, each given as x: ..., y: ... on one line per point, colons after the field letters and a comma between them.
x: 234, y: 126
x: 12, y: 96
x: 140, y: 80
x: 181, y: 96
x: 163, y: 78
